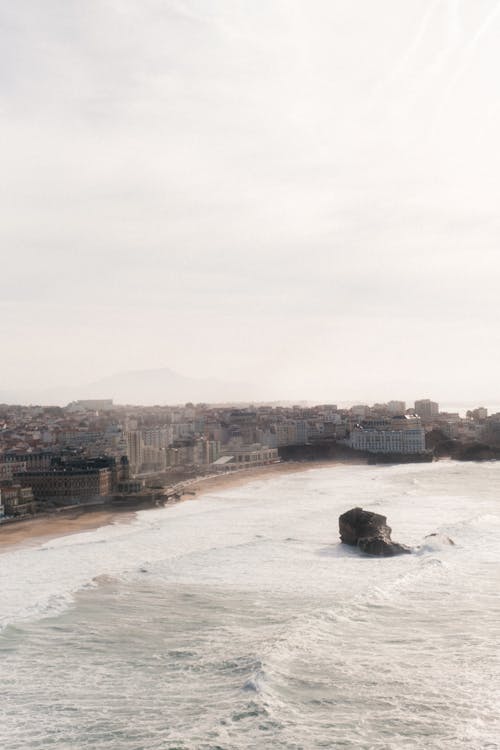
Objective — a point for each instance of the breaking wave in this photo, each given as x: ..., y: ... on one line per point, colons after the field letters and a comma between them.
x: 239, y: 621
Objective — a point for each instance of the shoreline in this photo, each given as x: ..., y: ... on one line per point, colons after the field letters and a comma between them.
x: 35, y: 531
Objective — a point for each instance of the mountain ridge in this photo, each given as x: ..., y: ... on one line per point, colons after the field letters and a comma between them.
x: 141, y: 387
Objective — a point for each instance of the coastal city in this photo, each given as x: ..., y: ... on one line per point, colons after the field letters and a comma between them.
x: 93, y: 452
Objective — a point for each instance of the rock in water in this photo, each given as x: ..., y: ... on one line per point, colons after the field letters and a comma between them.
x: 369, y: 532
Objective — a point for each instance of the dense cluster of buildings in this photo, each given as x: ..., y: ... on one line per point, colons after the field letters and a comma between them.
x: 53, y: 456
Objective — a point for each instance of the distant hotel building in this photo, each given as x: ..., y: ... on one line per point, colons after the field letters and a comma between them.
x: 397, y: 435
x: 92, y: 404
x: 75, y: 482
x: 65, y: 485
x: 426, y: 409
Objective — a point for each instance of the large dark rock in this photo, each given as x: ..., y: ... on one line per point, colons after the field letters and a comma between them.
x: 369, y: 532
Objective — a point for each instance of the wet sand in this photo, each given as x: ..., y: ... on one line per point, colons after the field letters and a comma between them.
x: 33, y: 532
x: 38, y: 530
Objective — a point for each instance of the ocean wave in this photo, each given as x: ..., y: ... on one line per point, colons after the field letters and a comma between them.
x: 271, y: 537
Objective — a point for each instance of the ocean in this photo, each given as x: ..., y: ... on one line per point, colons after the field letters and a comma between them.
x: 239, y: 621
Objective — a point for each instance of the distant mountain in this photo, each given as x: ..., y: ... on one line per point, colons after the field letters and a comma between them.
x: 148, y: 387
x: 164, y: 386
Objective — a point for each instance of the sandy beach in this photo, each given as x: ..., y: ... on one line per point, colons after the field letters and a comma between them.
x: 38, y: 530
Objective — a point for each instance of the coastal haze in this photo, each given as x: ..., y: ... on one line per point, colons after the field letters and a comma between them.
x: 302, y: 198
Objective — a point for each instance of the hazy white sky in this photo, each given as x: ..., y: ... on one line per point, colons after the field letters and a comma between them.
x: 299, y: 194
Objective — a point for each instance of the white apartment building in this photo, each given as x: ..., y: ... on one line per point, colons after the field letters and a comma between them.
x: 135, y: 448
x: 247, y: 456
x: 426, y: 409
x: 183, y: 430
x: 158, y: 437
x: 153, y: 458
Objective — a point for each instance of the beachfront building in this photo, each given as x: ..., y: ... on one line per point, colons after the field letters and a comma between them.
x: 78, y: 481
x: 15, y: 461
x: 403, y: 434
x: 246, y: 456
x: 16, y: 500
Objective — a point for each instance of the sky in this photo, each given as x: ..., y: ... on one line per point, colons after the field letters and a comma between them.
x: 303, y: 196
